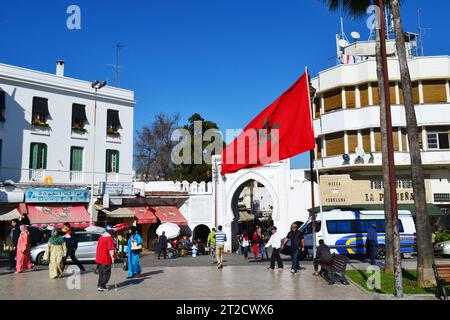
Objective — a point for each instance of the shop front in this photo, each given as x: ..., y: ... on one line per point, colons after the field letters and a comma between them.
x: 52, y: 207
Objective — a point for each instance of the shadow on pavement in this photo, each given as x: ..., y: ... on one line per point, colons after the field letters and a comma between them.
x: 139, y: 279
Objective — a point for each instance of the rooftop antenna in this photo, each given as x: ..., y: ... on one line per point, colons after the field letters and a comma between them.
x: 117, y: 67
x: 422, y: 32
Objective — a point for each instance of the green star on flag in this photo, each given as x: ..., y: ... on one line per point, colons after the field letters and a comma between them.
x: 270, y: 136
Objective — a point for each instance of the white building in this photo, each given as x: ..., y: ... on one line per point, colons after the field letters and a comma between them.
x: 47, y: 129
x: 347, y: 128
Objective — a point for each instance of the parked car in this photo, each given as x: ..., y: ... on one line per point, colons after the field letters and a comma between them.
x: 87, y: 247
x: 442, y: 248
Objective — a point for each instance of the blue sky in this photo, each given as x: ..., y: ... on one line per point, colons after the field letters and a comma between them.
x: 226, y: 60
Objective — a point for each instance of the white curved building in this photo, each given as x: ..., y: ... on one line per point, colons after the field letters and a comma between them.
x: 347, y: 116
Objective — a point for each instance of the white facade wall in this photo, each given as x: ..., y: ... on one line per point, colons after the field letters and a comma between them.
x: 17, y: 133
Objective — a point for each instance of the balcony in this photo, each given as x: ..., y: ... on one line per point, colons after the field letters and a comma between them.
x: 76, y: 176
x: 37, y: 175
x: 112, y: 177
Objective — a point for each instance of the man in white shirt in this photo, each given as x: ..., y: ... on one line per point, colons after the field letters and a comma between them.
x: 275, y: 243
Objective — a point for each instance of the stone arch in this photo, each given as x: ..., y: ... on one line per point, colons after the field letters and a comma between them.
x: 201, y: 231
x: 236, y: 188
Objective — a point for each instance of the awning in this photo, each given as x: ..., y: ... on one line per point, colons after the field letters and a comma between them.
x: 119, y: 213
x: 8, y: 214
x: 432, y: 209
x: 56, y: 216
x: 112, y: 118
x: 170, y: 214
x: 78, y: 113
x: 144, y: 215
x: 40, y: 107
x: 246, y: 217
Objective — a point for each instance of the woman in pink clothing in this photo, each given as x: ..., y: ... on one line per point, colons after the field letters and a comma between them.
x: 23, y: 251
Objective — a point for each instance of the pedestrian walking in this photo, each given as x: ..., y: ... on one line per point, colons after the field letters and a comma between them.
x: 134, y: 253
x: 275, y: 243
x: 221, y: 238
x: 255, y: 243
x: 23, y: 251
x: 297, y: 245
x: 162, y: 245
x: 55, y: 254
x: 323, y: 256
x: 104, y: 258
x: 246, y: 245
x: 265, y: 251
x: 211, y: 244
x: 71, y: 239
x: 14, y: 235
x: 372, y: 242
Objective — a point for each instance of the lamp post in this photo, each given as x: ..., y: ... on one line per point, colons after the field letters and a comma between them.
x: 216, y: 169
x: 96, y: 85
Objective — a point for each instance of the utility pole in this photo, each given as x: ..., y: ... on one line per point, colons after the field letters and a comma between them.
x: 392, y: 178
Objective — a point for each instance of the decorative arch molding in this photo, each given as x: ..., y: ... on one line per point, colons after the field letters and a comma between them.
x: 268, y: 180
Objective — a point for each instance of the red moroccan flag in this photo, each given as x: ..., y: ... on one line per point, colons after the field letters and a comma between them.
x: 283, y: 130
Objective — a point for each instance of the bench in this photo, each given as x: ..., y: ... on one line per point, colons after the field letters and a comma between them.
x: 442, y: 275
x: 335, y: 271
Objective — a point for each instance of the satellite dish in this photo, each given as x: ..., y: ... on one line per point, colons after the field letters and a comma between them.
x: 359, y: 151
x: 343, y: 43
x: 355, y: 35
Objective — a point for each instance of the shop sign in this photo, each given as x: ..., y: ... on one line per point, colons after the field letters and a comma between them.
x: 116, y: 188
x: 56, y: 195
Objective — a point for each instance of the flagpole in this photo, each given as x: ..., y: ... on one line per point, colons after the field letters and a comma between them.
x: 311, y: 162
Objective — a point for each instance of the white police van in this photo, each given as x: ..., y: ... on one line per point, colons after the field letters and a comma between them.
x: 345, y: 232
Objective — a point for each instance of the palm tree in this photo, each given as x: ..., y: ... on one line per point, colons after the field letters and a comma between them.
x: 424, y: 244
x: 357, y: 9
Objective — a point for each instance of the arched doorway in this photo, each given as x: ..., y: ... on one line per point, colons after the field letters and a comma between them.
x: 201, y: 232
x: 252, y: 205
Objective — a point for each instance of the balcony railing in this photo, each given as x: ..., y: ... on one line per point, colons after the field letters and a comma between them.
x: 37, y: 175
x: 76, y: 176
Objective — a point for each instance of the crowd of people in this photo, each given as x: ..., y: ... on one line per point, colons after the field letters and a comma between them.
x: 63, y: 244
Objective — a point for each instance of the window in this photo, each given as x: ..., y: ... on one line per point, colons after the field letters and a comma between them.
x: 339, y: 226
x: 113, y: 122
x: 1, y: 145
x: 112, y: 161
x: 76, y: 159
x: 358, y: 226
x: 377, y: 184
x: 2, y: 106
x: 40, y: 112
x: 78, y: 117
x: 438, y: 140
x: 382, y: 226
x: 87, y: 237
x: 38, y: 156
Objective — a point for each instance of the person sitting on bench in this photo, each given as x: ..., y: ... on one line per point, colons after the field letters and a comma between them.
x: 323, y: 256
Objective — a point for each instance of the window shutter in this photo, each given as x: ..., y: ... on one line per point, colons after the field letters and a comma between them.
x: 33, y: 156
x: 2, y: 105
x: 44, y: 156
x: 108, y: 161
x: 116, y: 164
x: 76, y: 163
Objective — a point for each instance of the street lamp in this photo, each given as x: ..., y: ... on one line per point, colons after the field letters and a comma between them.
x: 97, y: 85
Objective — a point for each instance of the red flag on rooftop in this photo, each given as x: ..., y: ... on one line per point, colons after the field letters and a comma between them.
x: 283, y: 130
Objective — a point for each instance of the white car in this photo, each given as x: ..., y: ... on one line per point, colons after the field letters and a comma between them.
x: 442, y: 248
x: 87, y: 248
